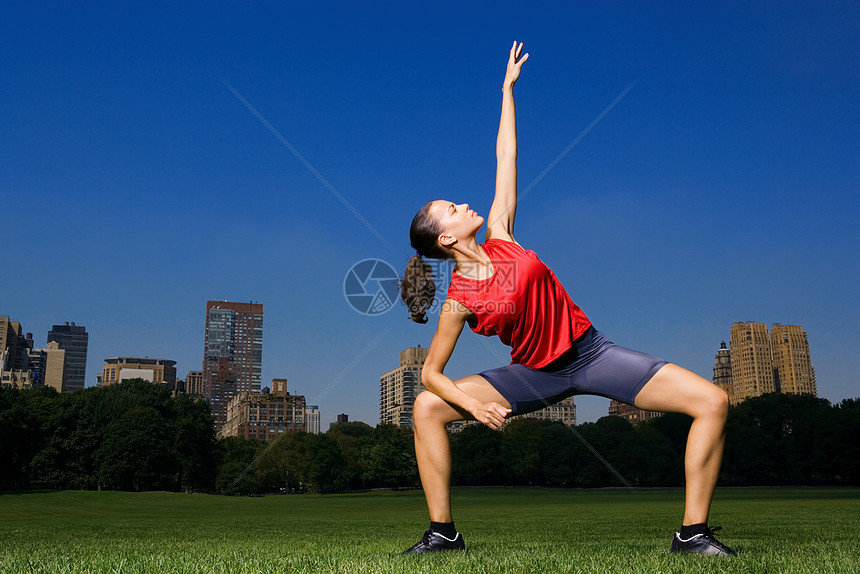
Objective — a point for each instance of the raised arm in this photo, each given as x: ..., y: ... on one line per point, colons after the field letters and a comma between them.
x: 500, y: 221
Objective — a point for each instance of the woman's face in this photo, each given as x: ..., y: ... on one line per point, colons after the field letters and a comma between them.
x: 456, y: 219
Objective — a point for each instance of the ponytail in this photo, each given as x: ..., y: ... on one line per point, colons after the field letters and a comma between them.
x: 417, y: 289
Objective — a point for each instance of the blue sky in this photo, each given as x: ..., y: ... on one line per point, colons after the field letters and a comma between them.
x: 135, y: 185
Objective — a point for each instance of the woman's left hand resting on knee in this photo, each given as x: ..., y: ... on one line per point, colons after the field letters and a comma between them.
x: 491, y: 414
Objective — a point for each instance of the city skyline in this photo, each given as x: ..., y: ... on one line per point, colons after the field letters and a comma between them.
x: 721, y: 187
x: 611, y: 404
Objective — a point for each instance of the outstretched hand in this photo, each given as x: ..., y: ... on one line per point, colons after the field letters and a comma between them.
x: 491, y: 414
x: 515, y: 64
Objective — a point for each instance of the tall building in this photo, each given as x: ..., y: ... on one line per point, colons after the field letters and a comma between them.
x: 399, y: 387
x: 723, y: 369
x: 763, y: 362
x: 73, y: 339
x: 14, y: 343
x: 312, y: 419
x: 7, y: 332
x: 233, y: 353
x: 264, y: 415
x: 752, y: 365
x: 792, y: 364
x: 54, y: 365
x: 156, y: 371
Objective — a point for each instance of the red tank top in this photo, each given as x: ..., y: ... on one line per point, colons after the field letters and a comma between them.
x: 523, y: 303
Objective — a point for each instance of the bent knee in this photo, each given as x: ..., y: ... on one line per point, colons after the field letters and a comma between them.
x: 428, y: 405
x: 715, y: 404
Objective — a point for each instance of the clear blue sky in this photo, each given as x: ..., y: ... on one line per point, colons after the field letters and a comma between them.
x: 134, y: 185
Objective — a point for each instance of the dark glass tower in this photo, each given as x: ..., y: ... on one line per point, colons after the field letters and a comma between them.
x: 73, y: 339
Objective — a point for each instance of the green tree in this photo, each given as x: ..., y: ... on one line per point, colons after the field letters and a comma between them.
x: 137, y: 453
x: 522, y: 450
x: 389, y: 457
x: 476, y: 454
x: 841, y: 449
x: 194, y: 443
x: 351, y: 438
x: 233, y: 457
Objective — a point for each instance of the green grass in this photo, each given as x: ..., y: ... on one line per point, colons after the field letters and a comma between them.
x: 507, y: 529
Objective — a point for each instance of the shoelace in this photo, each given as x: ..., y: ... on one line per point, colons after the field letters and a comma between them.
x: 709, y: 533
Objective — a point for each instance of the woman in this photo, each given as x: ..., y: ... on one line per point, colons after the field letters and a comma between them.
x: 499, y: 288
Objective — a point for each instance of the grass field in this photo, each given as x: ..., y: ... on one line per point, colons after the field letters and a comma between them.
x: 507, y: 530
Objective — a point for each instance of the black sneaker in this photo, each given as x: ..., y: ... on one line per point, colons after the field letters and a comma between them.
x: 703, y: 543
x: 435, y: 542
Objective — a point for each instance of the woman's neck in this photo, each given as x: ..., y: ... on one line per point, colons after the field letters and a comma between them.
x: 473, y: 261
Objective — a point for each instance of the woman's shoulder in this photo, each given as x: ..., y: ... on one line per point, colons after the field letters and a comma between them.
x: 503, y: 246
x: 496, y: 243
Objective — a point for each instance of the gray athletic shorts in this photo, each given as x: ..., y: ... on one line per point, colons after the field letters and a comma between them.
x: 593, y: 366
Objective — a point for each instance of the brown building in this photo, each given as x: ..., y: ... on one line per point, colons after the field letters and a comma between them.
x: 792, y: 364
x: 233, y: 353
x: 55, y: 362
x: 752, y: 364
x: 264, y: 415
x: 631, y: 413
x: 194, y: 383
x: 156, y: 371
x: 14, y: 343
x: 762, y: 362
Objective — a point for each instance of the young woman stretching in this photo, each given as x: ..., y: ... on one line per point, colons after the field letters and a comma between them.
x: 499, y: 288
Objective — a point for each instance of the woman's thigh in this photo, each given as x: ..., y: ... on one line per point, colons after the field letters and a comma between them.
x: 677, y: 390
x: 475, y: 386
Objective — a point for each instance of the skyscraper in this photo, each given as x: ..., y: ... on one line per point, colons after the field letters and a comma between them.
x: 73, y: 339
x: 312, y: 419
x: 763, y: 362
x: 752, y: 365
x: 399, y: 387
x: 792, y: 365
x: 14, y: 343
x: 233, y: 353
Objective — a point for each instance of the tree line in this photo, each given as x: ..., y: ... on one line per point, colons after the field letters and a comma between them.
x: 136, y: 436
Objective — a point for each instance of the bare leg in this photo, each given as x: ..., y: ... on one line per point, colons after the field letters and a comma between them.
x: 677, y: 390
x: 432, y: 448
